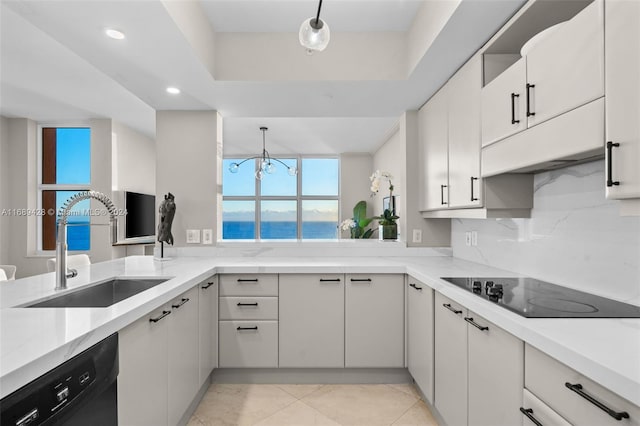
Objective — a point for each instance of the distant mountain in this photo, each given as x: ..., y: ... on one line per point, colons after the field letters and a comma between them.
x: 281, y: 216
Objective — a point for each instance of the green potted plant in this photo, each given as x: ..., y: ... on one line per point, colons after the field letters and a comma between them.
x: 388, y: 228
x: 358, y: 224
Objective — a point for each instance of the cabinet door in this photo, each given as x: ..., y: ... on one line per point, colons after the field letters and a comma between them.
x: 183, y: 354
x: 450, y: 361
x: 534, y: 409
x: 420, y: 335
x: 374, y: 320
x: 142, y: 381
x: 252, y: 344
x: 311, y: 320
x: 503, y: 104
x: 433, y: 119
x: 464, y: 136
x: 496, y: 373
x: 567, y: 67
x: 622, y: 100
x: 208, y: 328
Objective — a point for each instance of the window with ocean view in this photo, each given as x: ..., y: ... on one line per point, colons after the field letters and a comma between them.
x: 281, y: 206
x: 65, y: 154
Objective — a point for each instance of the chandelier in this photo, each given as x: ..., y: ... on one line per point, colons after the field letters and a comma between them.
x: 266, y: 162
x: 314, y: 33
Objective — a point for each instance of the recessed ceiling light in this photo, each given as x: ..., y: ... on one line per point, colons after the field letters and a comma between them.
x: 173, y: 90
x: 114, y: 34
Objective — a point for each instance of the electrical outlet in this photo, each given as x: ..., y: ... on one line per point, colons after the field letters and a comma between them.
x: 207, y: 236
x: 417, y: 235
x: 193, y: 236
x: 474, y: 238
x: 467, y: 238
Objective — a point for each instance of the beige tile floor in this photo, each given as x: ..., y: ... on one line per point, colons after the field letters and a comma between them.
x: 312, y: 405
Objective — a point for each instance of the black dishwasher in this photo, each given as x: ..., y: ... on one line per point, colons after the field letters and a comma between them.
x: 81, y: 391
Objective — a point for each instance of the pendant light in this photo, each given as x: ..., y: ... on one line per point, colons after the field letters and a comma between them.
x: 266, y: 161
x: 314, y: 33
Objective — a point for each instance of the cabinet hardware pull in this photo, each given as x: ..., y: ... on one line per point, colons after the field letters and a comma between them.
x: 415, y: 286
x: 577, y: 388
x: 529, y: 112
x: 182, y: 302
x: 247, y: 280
x: 248, y: 304
x: 513, y: 108
x: 355, y: 280
x: 442, y: 187
x: 164, y: 314
x: 475, y: 324
x: 472, y: 197
x: 209, y: 284
x: 449, y: 307
x: 255, y: 327
x: 326, y: 280
x: 610, y: 181
x: 529, y: 413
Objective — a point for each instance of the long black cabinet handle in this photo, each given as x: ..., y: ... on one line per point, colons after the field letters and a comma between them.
x: 360, y: 280
x: 182, y: 302
x: 472, y: 180
x: 247, y: 280
x: 442, y: 187
x: 247, y: 328
x: 452, y: 309
x: 209, y: 284
x: 513, y: 108
x: 248, y: 304
x: 475, y: 324
x: 529, y: 87
x: 577, y: 388
x: 329, y: 280
x: 529, y: 413
x: 610, y: 181
x: 164, y: 314
x: 415, y: 286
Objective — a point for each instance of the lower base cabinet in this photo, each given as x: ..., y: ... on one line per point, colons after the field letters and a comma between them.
x: 420, y: 335
x: 248, y: 344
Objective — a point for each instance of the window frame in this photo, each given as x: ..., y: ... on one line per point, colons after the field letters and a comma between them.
x: 298, y: 198
x: 40, y: 187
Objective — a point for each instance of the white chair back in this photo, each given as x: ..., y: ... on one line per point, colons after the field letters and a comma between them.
x: 8, y: 272
x: 73, y: 261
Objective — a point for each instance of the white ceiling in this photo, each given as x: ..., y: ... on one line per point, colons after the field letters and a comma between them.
x: 56, y: 65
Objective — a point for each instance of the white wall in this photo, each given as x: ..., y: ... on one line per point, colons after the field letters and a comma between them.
x: 391, y: 157
x: 186, y: 166
x: 355, y: 169
x: 575, y: 237
x: 134, y: 160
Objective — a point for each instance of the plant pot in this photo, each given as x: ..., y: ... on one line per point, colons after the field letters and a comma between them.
x: 388, y: 232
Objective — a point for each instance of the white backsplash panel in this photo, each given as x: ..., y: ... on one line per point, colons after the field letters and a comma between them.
x: 575, y: 237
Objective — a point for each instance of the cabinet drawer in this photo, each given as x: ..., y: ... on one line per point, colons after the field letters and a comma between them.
x: 535, y: 410
x: 248, y: 308
x: 249, y: 285
x: 248, y: 344
x: 547, y: 378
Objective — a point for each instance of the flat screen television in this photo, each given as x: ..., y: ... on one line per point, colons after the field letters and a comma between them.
x: 140, y: 220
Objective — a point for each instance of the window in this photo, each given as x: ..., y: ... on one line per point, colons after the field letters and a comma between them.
x: 65, y: 169
x: 281, y: 206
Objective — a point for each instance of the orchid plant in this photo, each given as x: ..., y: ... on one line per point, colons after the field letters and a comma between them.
x: 376, y: 178
x: 358, y: 224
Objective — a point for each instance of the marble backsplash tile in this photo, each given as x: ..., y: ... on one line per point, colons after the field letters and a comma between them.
x: 575, y: 237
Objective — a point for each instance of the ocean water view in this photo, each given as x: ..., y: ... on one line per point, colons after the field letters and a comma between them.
x: 78, y: 234
x: 276, y: 230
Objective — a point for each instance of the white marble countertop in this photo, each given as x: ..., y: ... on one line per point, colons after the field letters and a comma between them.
x: 34, y: 340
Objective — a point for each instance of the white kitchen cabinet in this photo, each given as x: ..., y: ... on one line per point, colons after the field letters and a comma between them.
x: 533, y: 410
x: 622, y: 89
x: 374, y: 320
x: 495, y: 373
x: 434, y: 152
x: 252, y: 285
x: 246, y: 344
x: 450, y: 398
x: 420, y: 335
x: 184, y: 363
x: 208, y: 327
x: 144, y: 362
x: 248, y: 308
x: 574, y: 396
x: 311, y: 320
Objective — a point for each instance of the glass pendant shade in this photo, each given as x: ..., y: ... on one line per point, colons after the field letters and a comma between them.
x: 314, y: 35
x: 259, y: 174
x: 233, y: 168
x: 292, y: 171
x: 269, y: 168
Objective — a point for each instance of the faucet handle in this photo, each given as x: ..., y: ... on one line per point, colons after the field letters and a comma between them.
x: 72, y: 273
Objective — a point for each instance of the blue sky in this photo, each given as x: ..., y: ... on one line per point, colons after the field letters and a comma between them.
x: 73, y: 152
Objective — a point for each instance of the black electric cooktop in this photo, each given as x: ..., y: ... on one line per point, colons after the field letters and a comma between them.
x: 532, y: 298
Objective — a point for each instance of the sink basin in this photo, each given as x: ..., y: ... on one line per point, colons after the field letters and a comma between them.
x: 101, y: 295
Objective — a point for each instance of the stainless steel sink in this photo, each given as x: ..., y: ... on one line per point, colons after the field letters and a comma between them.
x: 101, y: 295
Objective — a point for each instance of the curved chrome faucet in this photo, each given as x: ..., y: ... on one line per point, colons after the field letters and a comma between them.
x: 61, y: 244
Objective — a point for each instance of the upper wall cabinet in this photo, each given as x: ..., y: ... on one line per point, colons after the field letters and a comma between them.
x: 552, y: 82
x: 622, y: 85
